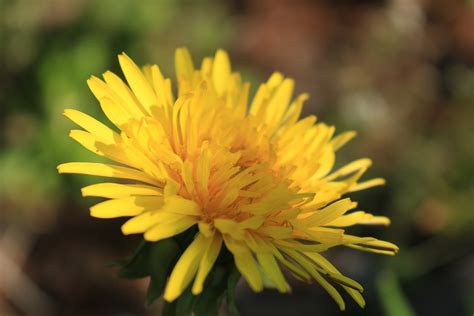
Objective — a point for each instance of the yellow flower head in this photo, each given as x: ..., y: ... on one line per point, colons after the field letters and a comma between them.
x: 252, y: 176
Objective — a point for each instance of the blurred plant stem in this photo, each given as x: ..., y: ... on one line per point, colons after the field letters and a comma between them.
x: 391, y: 296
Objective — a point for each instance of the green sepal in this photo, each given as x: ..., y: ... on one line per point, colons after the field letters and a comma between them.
x: 230, y: 297
x: 210, y: 299
x: 162, y: 257
x: 137, y: 266
x: 155, y: 289
x: 185, y: 303
x: 221, y: 279
x: 157, y: 260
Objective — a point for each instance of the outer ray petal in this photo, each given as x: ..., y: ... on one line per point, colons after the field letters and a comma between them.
x: 124, y: 93
x: 308, y: 266
x: 329, y: 213
x: 185, y: 269
x: 342, y: 139
x: 91, y: 125
x: 372, y: 245
x: 101, y: 90
x: 129, y: 206
x: 115, y: 113
x: 116, y: 190
x: 245, y: 263
x: 137, y: 81
x: 355, y: 294
x: 367, y: 184
x: 145, y: 221
x: 94, y: 144
x: 169, y: 229
x: 221, y: 71
x: 359, y: 217
x: 207, y: 261
x: 271, y: 268
x: 107, y: 170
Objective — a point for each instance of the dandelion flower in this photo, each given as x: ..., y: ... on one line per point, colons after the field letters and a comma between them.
x: 251, y: 177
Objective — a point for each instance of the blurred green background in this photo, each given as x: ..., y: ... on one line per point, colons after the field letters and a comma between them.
x: 400, y: 72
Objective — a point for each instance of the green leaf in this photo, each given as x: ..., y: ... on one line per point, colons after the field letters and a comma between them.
x: 209, y: 301
x: 392, y: 298
x: 185, y: 303
x: 162, y: 256
x: 137, y: 265
x: 230, y: 298
x: 155, y: 289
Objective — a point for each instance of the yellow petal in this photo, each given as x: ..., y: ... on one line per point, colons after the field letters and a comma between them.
x: 162, y: 88
x: 169, y: 229
x: 294, y: 244
x: 354, y: 293
x: 277, y: 232
x: 187, y: 175
x: 326, y: 266
x: 371, y: 244
x: 272, y: 270
x: 114, y: 112
x: 326, y: 163
x: 367, y: 184
x: 171, y: 188
x: 278, y: 199
x: 294, y: 111
x: 278, y: 104
x: 308, y: 266
x: 329, y: 213
x: 129, y: 100
x: 275, y: 80
x: 185, y: 269
x: 326, y: 236
x: 259, y: 100
x: 206, y: 229
x: 350, y: 168
x: 129, y: 206
x: 245, y: 263
x: 101, y: 90
x: 293, y: 267
x: 184, y: 64
x: 137, y: 82
x: 97, y: 146
x: 342, y: 139
x: 206, y: 66
x: 116, y: 190
x: 231, y: 227
x: 179, y: 205
x: 203, y: 172
x: 359, y: 217
x: 330, y: 289
x: 106, y: 170
x: 91, y: 125
x: 208, y: 259
x: 86, y: 139
x: 221, y: 71
x: 143, y: 222
x: 376, y: 220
